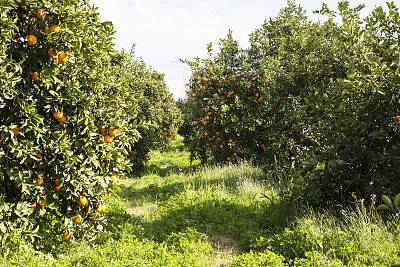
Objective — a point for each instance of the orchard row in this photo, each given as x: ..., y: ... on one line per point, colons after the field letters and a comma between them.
x: 318, y: 101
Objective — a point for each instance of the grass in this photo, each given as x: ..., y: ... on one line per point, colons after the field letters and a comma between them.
x: 177, y: 213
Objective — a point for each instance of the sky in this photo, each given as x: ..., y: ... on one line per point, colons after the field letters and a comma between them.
x: 165, y: 31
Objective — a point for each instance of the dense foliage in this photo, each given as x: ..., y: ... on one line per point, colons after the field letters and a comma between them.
x: 72, y: 110
x: 317, y: 99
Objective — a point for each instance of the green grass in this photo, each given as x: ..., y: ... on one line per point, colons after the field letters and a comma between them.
x: 177, y: 213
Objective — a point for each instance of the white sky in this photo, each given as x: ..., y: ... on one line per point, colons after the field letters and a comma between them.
x: 166, y: 30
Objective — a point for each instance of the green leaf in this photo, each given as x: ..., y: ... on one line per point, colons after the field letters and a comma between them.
x: 383, y: 207
x: 387, y: 201
x: 397, y: 199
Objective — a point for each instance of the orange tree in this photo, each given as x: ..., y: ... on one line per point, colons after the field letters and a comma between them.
x: 317, y: 99
x: 158, y: 115
x: 65, y: 123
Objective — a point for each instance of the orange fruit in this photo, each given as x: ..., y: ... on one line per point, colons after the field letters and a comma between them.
x: 35, y: 76
x: 62, y: 120
x: 193, y: 94
x: 67, y: 236
x: 62, y: 58
x: 151, y: 98
x: 58, y: 115
x: 40, y: 156
x: 51, y: 51
x: 112, y: 132
x: 101, y: 208
x: 114, y: 179
x: 222, y: 102
x: 205, y: 133
x: 55, y: 28
x: 78, y: 218
x: 32, y: 39
x: 82, y: 201
x: 40, y: 180
x: 56, y: 181
x: 228, y: 158
x: 102, y: 165
x: 103, y: 130
x: 205, y: 79
x: 204, y: 88
x: 33, y: 206
x: 108, y: 138
x: 58, y: 188
x: 15, y: 131
x: 230, y: 140
x: 40, y: 14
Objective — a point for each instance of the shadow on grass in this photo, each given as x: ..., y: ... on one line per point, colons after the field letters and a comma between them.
x: 151, y: 192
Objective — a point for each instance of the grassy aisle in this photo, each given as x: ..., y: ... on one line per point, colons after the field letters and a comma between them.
x: 177, y: 213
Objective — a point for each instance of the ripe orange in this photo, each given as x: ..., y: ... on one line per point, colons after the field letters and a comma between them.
x: 195, y: 123
x: 40, y: 180
x: 56, y: 181
x: 32, y: 39
x: 82, y: 201
x: 102, y: 165
x: 151, y: 98
x: 35, y: 76
x: 55, y: 28
x: 33, y: 206
x: 114, y: 179
x: 40, y: 156
x: 112, y: 132
x: 222, y: 102
x: 230, y: 140
x: 62, y: 120
x: 205, y: 133
x: 67, y: 236
x: 78, y: 218
x: 204, y: 88
x: 108, y: 138
x: 58, y: 188
x: 40, y: 14
x: 193, y: 94
x: 101, y: 208
x: 15, y: 131
x: 62, y: 58
x: 228, y: 158
x: 103, y: 130
x: 51, y: 51
x: 58, y: 115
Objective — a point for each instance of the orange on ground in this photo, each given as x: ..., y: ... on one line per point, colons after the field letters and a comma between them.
x: 108, y: 138
x: 32, y: 39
